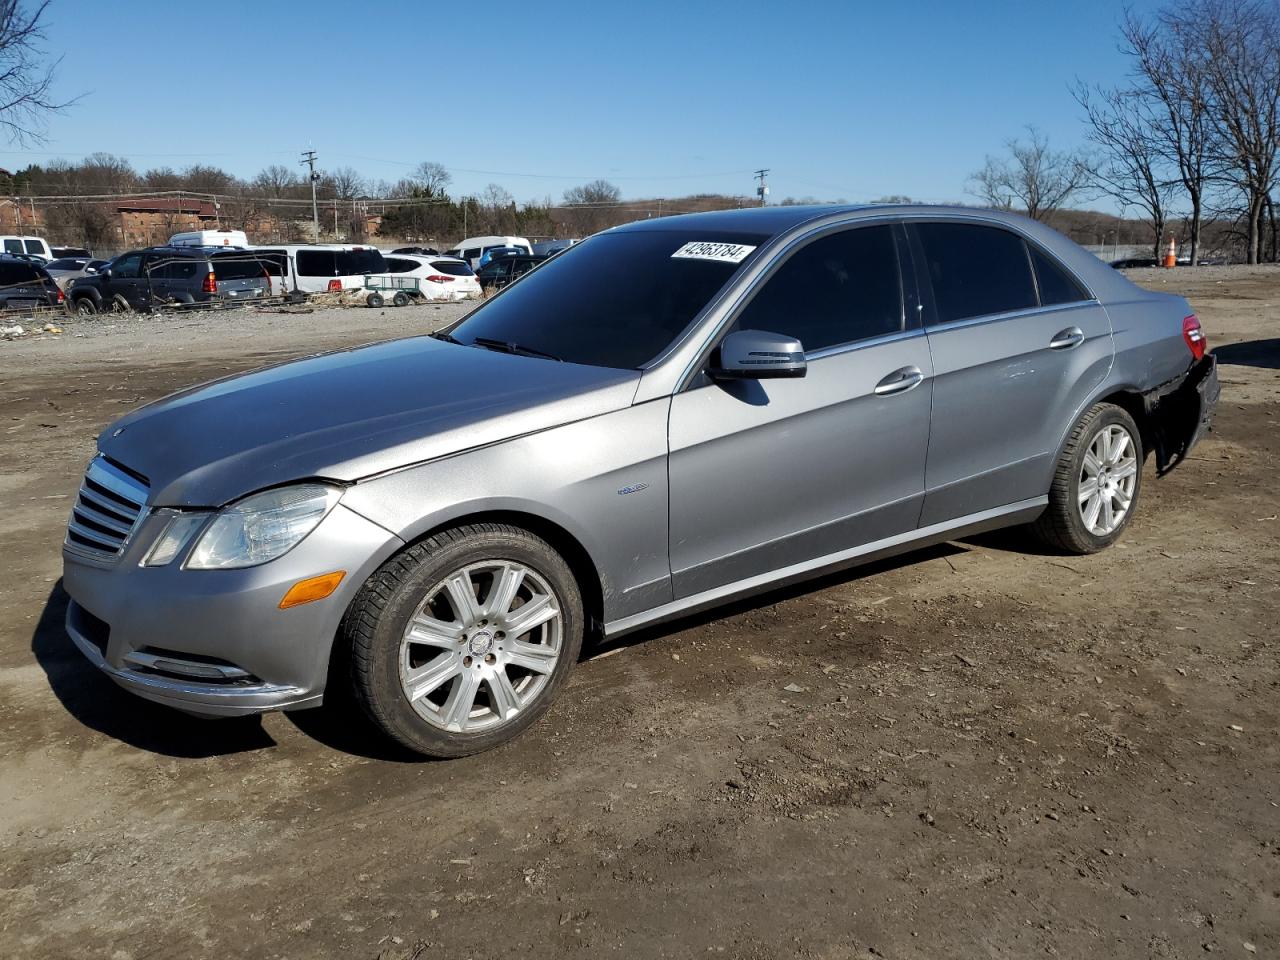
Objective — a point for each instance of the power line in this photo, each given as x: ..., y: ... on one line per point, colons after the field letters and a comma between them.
x: 309, y: 158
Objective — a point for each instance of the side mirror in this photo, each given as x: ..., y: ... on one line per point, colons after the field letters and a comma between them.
x: 759, y: 355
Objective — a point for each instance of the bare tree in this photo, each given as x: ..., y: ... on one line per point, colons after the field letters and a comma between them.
x: 1032, y: 178
x: 592, y: 202
x: 431, y: 178
x: 26, y: 75
x: 1170, y: 75
x: 1239, y: 44
x: 346, y: 183
x: 1130, y: 166
x: 277, y: 181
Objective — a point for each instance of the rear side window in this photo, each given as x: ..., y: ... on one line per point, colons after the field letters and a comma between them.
x: 471, y: 254
x: 316, y: 263
x: 14, y: 274
x: 452, y: 269
x: 401, y: 265
x: 976, y: 270
x: 173, y: 268
x: 352, y: 263
x: 839, y: 289
x: 1055, y: 284
x: 13, y: 246
x: 34, y: 246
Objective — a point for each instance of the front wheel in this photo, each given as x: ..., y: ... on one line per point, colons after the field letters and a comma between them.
x: 462, y: 641
x: 1097, y: 483
x: 85, y: 307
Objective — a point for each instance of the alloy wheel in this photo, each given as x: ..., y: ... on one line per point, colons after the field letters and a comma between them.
x: 481, y: 646
x: 1108, y: 477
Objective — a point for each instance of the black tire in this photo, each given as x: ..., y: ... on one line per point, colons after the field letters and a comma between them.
x: 374, y: 300
x: 85, y: 307
x: 120, y: 305
x: 401, y: 299
x: 1061, y: 526
x: 376, y: 620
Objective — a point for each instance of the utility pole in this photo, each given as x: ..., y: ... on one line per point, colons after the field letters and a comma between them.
x: 309, y: 160
x: 762, y: 189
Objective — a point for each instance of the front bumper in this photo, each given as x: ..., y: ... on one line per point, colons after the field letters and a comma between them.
x: 214, y: 642
x: 1181, y: 412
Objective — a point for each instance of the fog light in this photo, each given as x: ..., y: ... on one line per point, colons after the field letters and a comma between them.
x: 313, y: 588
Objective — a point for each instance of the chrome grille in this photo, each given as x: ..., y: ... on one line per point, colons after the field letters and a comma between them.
x: 108, y: 508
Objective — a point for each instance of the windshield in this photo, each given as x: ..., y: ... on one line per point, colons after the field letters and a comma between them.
x: 616, y: 300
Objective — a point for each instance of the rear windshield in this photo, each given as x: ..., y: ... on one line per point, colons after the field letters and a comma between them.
x: 616, y: 300
x: 238, y: 266
x: 453, y: 268
x: 16, y: 272
x: 66, y: 264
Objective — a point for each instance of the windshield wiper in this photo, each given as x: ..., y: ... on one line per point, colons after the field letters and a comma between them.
x: 508, y: 347
x: 446, y: 337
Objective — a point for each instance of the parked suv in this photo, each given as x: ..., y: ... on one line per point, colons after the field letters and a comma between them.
x: 501, y: 271
x: 668, y: 415
x: 25, y: 284
x: 143, y: 279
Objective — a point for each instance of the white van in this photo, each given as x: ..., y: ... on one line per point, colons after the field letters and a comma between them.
x: 30, y: 246
x: 210, y: 238
x: 473, y: 249
x: 320, y: 267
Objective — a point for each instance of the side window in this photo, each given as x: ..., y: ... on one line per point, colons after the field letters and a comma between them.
x: 127, y: 266
x: 839, y: 289
x: 471, y: 254
x: 315, y: 263
x: 13, y: 246
x: 976, y: 270
x: 34, y: 246
x: 400, y: 265
x: 1055, y: 284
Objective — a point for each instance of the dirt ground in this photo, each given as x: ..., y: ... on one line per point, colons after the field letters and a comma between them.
x: 975, y: 750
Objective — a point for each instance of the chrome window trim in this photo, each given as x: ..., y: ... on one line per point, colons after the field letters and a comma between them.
x: 986, y: 318
x: 837, y: 349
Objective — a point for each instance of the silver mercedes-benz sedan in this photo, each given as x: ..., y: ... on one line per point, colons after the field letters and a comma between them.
x: 671, y: 414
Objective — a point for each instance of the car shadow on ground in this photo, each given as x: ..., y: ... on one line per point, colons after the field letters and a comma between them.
x: 1251, y: 353
x: 95, y: 701
x: 771, y: 597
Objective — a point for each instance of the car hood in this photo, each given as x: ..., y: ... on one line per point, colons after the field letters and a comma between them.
x: 349, y: 415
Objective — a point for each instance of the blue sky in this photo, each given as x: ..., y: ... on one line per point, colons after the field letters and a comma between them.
x: 845, y: 100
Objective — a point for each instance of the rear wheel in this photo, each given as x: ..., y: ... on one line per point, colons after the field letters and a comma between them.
x: 374, y: 300
x: 401, y: 299
x: 462, y: 641
x: 1096, y: 486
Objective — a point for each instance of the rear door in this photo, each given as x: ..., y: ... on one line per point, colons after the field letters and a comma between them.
x: 1018, y: 345
x: 240, y: 276
x: 769, y: 473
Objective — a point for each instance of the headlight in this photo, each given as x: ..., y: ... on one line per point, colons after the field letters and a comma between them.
x: 262, y: 527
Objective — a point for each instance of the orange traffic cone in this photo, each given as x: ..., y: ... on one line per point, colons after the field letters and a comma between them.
x: 1171, y: 258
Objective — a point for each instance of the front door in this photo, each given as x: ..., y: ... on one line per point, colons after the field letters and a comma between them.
x: 1018, y: 345
x: 765, y: 474
x: 127, y: 282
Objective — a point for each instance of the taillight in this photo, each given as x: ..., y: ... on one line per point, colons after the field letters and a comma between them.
x: 210, y: 284
x: 1194, y: 336
x: 335, y: 286
x: 62, y: 297
x: 437, y: 278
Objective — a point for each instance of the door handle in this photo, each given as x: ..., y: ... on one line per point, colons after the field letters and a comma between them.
x: 1066, y: 339
x: 900, y: 381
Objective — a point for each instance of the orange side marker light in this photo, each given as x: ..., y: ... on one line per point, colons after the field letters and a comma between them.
x: 313, y: 588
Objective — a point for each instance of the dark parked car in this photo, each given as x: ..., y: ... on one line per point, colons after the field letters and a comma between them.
x: 25, y: 284
x: 142, y: 279
x: 497, y: 273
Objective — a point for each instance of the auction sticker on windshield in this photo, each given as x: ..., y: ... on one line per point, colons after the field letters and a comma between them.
x: 706, y: 250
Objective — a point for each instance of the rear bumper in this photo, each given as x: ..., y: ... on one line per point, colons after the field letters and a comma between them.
x: 1181, y: 412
